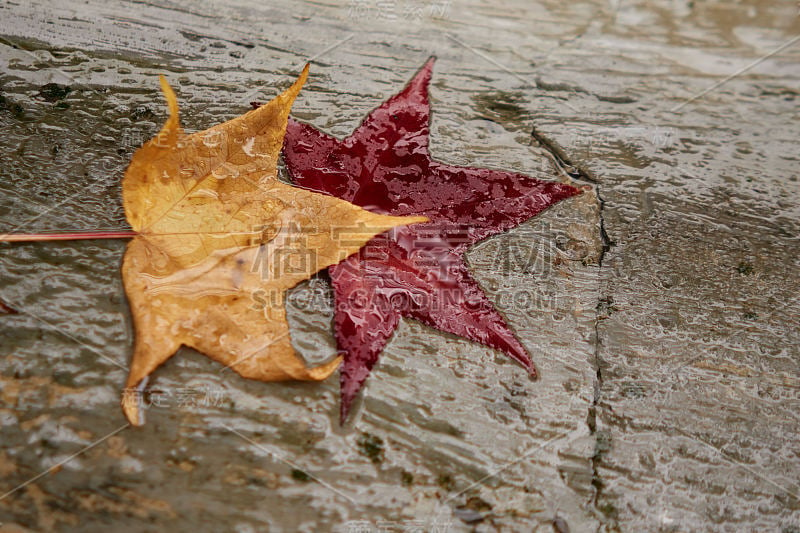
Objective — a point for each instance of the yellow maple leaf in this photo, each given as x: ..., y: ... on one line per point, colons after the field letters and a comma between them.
x: 215, y: 226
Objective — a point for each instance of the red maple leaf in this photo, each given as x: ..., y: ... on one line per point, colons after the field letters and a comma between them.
x: 416, y: 271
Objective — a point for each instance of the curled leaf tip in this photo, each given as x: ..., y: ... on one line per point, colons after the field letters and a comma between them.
x: 301, y: 80
x: 320, y: 373
x: 169, y: 95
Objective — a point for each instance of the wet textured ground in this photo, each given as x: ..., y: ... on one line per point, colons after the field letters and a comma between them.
x: 668, y: 348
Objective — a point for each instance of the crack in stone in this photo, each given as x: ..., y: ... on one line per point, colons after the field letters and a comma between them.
x: 573, y: 170
x: 581, y: 173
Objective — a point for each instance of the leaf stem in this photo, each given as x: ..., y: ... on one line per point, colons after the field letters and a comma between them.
x: 76, y: 236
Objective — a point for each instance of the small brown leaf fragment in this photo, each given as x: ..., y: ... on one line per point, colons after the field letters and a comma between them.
x: 6, y: 309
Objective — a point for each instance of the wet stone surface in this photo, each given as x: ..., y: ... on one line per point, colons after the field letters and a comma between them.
x: 668, y: 349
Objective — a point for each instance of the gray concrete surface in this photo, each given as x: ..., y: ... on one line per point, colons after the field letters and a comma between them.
x: 660, y: 307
